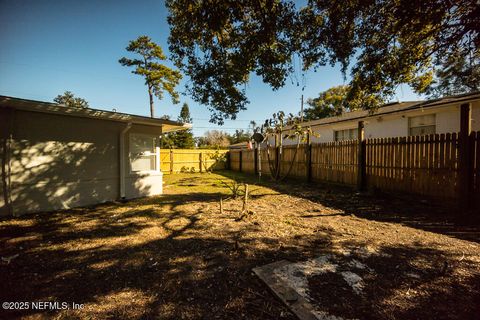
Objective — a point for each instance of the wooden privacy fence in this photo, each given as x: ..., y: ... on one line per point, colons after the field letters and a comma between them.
x: 428, y: 165
x: 424, y: 165
x: 333, y: 161
x: 191, y: 160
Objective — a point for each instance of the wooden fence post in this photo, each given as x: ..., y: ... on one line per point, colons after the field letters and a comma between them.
x: 200, y: 160
x: 259, y: 156
x: 465, y: 157
x: 171, y: 160
x: 361, y: 159
x: 240, y: 161
x: 255, y: 158
x: 308, y: 151
x: 277, y: 160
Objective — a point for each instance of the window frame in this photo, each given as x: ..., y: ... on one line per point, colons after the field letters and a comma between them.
x: 434, y: 125
x: 336, y: 132
x: 155, y: 153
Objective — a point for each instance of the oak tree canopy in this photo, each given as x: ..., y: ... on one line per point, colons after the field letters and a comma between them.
x: 219, y: 44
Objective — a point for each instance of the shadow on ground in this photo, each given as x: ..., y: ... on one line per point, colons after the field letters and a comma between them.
x: 175, y: 257
x: 417, y: 212
x: 119, y: 268
x: 400, y: 282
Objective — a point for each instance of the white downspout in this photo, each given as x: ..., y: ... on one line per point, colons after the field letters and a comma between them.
x: 122, y: 160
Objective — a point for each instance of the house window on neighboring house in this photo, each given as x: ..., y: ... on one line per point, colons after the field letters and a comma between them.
x: 421, y: 125
x: 347, y: 134
x: 143, y: 156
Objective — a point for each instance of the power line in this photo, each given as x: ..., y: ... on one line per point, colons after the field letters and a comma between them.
x: 69, y: 71
x: 219, y: 128
x: 229, y: 120
x: 9, y: 93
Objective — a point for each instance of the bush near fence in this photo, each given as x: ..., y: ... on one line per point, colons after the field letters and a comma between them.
x: 426, y: 165
x: 191, y: 160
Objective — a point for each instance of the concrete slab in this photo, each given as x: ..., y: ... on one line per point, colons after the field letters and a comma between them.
x: 296, y: 303
x: 289, y: 282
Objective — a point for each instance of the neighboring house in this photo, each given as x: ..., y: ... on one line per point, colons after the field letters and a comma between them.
x: 55, y: 157
x: 240, y: 146
x: 397, y: 120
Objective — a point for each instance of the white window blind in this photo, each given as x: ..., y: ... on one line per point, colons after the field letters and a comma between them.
x: 422, y: 125
x: 142, y: 153
x: 347, y: 134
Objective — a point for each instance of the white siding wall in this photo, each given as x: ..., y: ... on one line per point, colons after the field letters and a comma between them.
x: 447, y: 119
x: 386, y: 126
x: 476, y: 116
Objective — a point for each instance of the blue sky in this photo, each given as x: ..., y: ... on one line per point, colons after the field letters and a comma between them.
x: 48, y: 47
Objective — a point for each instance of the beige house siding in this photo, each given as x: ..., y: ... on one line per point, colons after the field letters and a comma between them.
x: 60, y: 162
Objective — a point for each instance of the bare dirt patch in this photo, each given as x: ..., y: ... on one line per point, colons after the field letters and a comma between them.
x: 176, y: 257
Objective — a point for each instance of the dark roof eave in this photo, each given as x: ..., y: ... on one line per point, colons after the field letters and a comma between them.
x: 419, y: 105
x: 53, y: 108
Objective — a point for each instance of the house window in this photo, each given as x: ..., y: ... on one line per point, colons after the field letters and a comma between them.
x: 347, y: 134
x: 421, y: 125
x: 143, y: 155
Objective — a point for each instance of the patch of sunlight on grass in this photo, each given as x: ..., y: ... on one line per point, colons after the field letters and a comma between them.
x: 152, y: 233
x: 27, y: 238
x: 103, y: 265
x: 180, y: 261
x: 142, y: 204
x: 18, y: 222
x: 119, y: 304
x: 196, y: 182
x: 213, y: 183
x: 177, y: 224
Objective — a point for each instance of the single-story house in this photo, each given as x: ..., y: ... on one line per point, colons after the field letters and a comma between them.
x: 240, y: 146
x: 56, y: 157
x: 398, y: 119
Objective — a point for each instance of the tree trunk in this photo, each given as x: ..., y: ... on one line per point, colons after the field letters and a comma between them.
x: 152, y: 108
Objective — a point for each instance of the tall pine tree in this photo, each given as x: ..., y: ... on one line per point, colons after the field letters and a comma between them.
x: 184, y: 139
x: 158, y: 77
x: 68, y: 99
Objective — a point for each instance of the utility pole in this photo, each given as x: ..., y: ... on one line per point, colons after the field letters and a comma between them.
x: 301, y: 111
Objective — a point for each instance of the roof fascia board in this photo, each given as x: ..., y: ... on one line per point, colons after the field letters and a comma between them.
x: 411, y: 108
x: 50, y: 108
